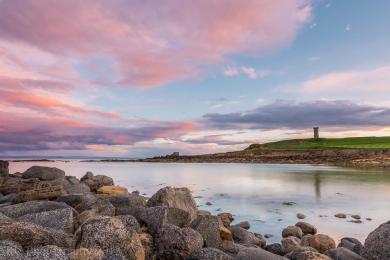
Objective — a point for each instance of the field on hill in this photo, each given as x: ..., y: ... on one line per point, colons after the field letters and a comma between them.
x: 327, y: 143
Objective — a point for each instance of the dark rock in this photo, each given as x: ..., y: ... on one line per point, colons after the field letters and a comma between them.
x: 290, y: 243
x: 342, y: 253
x: 257, y: 254
x: 226, y: 218
x: 8, y: 198
x: 108, y: 233
x: 209, y: 254
x: 72, y: 185
x: 4, y: 169
x: 46, y: 253
x: 10, y: 250
x: 30, y: 207
x: 59, y: 219
x: 230, y: 247
x: 294, y: 231
x: 43, y: 173
x: 173, y: 242
x: 352, y: 244
x: 31, y: 235
x: 124, y: 204
x: 243, y: 224
x: 208, y: 203
x: 95, y: 182
x: 320, y: 242
x: 276, y: 249
x: 71, y: 199
x: 87, y: 201
x: 208, y: 227
x: 170, y: 197
x: 301, y: 253
x: 130, y: 222
x: 377, y: 244
x: 243, y: 236
x: 155, y: 217
x: 356, y: 216
x: 306, y: 228
x: 3, y: 217
x: 99, y: 208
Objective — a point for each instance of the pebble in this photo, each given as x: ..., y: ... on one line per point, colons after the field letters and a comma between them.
x: 301, y: 216
x: 355, y: 216
x: 340, y: 215
x: 208, y: 203
x: 288, y: 203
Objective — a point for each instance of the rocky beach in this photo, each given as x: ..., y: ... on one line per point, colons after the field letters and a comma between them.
x: 45, y: 214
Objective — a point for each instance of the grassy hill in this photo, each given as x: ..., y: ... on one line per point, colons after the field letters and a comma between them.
x: 327, y: 143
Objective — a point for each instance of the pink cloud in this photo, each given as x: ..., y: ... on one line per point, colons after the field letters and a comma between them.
x: 153, y: 43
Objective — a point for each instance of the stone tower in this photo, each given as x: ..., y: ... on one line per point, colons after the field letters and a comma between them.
x: 316, y: 132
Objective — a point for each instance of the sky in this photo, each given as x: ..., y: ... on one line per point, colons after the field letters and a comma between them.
x: 140, y: 78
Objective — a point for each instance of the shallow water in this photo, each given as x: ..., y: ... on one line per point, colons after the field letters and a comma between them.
x: 256, y: 192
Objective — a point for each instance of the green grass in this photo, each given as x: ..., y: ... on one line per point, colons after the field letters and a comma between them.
x: 326, y: 143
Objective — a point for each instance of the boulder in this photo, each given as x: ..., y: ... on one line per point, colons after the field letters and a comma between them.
x: 125, y: 203
x: 10, y: 250
x: 306, y: 228
x: 72, y: 185
x: 290, y: 243
x: 173, y: 242
x: 257, y: 254
x: 320, y: 242
x: 275, y: 248
x: 7, y: 198
x: 209, y: 228
x: 87, y: 254
x: 30, y: 207
x: 155, y: 217
x: 148, y: 245
x: 226, y: 218
x: 31, y: 235
x: 59, y: 219
x: 170, y: 197
x: 293, y: 231
x: 108, y: 234
x: 43, y: 173
x: 244, y: 224
x: 130, y: 222
x: 243, y: 236
x: 99, y: 208
x: 352, y: 244
x: 87, y: 201
x: 71, y: 199
x: 4, y: 169
x: 208, y: 253
x: 3, y: 217
x: 377, y: 244
x: 112, y: 190
x: 95, y: 182
x: 230, y: 247
x: 342, y: 253
x: 46, y: 253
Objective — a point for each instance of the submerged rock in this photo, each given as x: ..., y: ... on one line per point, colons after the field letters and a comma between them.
x: 340, y: 215
x: 170, y: 197
x: 301, y: 215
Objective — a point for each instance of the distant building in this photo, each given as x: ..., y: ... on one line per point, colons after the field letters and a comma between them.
x: 316, y: 132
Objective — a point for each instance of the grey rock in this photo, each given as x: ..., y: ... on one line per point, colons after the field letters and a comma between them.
x: 31, y: 235
x: 208, y: 227
x: 72, y: 185
x: 43, y: 173
x: 257, y: 254
x: 30, y: 207
x: 130, y: 222
x: 276, y: 249
x: 46, y: 253
x: 204, y: 212
x: 7, y: 198
x: 244, y: 224
x: 342, y: 253
x: 209, y: 254
x: 99, y: 208
x: 352, y: 244
x: 108, y: 233
x: 87, y: 202
x: 59, y: 219
x: 302, y: 253
x: 4, y: 171
x: 71, y: 199
x: 10, y: 250
x: 3, y: 217
x: 125, y: 203
x: 306, y: 228
x: 230, y: 247
x: 377, y: 244
x: 170, y: 197
x: 95, y: 182
x: 173, y: 242
x: 290, y: 243
x: 292, y: 231
x: 243, y: 236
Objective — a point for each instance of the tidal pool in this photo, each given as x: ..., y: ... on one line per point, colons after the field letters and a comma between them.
x: 256, y: 192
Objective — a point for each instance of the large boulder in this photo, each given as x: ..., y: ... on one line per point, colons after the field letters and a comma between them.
x: 352, y: 244
x: 110, y: 234
x: 377, y: 244
x: 10, y: 250
x: 170, y: 197
x: 276, y: 249
x: 95, y: 182
x: 208, y: 253
x: 209, y: 228
x: 155, y: 217
x: 43, y: 173
x: 99, y: 208
x: 306, y: 228
x: 293, y: 231
x: 59, y: 219
x: 173, y: 242
x: 72, y: 185
x: 124, y: 203
x: 320, y: 242
x: 290, y: 243
x: 30, y: 207
x: 257, y: 254
x: 31, y: 235
x: 46, y: 253
x: 342, y: 253
x: 243, y: 236
x: 130, y: 222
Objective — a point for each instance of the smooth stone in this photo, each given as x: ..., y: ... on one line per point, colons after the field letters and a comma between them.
x: 30, y: 207
x: 226, y: 218
x: 243, y: 224
x: 112, y: 190
x: 320, y: 242
x: 243, y: 236
x: 356, y: 216
x: 352, y: 244
x: 292, y: 231
x: 46, y: 253
x: 306, y: 228
x: 276, y: 249
x: 257, y: 254
x: 340, y: 215
x: 301, y: 216
x: 342, y: 253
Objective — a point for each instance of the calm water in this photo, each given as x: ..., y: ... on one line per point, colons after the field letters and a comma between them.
x: 256, y: 192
